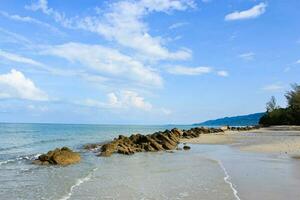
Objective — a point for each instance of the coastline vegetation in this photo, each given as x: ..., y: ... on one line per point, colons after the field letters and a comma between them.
x: 290, y: 115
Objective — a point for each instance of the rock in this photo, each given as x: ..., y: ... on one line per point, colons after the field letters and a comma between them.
x: 63, y: 156
x: 177, y: 132
x: 186, y: 147
x: 159, y: 141
x: 108, y: 149
x: 91, y: 146
x: 225, y: 128
x: 167, y: 140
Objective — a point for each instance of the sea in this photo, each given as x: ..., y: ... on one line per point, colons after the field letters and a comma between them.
x: 206, y: 172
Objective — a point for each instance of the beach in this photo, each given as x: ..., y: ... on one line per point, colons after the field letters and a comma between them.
x: 275, y: 139
x: 234, y: 165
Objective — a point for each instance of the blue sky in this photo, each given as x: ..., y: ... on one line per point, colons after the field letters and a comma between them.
x: 145, y: 61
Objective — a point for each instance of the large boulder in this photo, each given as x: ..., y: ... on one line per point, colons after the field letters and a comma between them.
x: 159, y: 141
x: 109, y: 148
x: 63, y: 156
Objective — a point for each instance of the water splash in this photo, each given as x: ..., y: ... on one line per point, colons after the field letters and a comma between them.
x: 227, y: 180
x: 78, y: 183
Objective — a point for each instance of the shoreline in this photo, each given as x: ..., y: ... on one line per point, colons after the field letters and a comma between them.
x: 274, y: 139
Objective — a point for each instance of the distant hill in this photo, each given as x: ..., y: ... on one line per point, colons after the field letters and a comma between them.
x: 243, y: 120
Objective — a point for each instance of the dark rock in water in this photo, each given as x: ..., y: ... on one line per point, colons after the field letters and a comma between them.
x: 108, y: 149
x: 167, y: 140
x: 186, y: 147
x: 159, y: 141
x: 63, y: 156
x: 91, y: 146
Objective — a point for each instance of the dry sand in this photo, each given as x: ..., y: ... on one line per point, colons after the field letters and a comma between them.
x: 276, y: 139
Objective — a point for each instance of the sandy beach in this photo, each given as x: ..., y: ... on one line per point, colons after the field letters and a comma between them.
x: 275, y: 139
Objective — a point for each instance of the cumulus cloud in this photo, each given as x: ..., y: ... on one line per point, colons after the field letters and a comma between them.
x: 107, y: 61
x: 253, y: 12
x: 15, y: 85
x: 122, y: 100
x: 182, y: 70
x: 123, y: 23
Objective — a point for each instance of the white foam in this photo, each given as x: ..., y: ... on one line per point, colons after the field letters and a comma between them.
x: 77, y: 184
x: 30, y: 157
x: 227, y: 180
x: 6, y: 161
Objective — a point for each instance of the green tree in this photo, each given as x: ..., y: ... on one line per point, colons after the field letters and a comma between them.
x: 284, y: 116
x: 293, y: 99
x: 271, y: 105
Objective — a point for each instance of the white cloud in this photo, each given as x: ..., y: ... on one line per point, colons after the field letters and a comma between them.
x: 123, y: 100
x: 28, y: 19
x: 43, y: 6
x: 123, y: 23
x: 19, y: 59
x: 253, y: 12
x: 54, y: 71
x: 133, y: 99
x: 273, y: 87
x: 223, y: 73
x: 11, y: 37
x: 247, y: 56
x: 37, y: 108
x: 298, y: 61
x: 107, y: 61
x: 16, y: 85
x: 181, y: 70
x: 178, y: 25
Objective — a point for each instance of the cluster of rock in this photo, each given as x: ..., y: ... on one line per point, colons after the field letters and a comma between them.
x: 63, y: 156
x: 159, y: 141
x: 243, y: 128
x: 196, y: 132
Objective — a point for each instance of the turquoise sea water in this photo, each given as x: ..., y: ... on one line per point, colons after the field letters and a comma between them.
x: 209, y: 172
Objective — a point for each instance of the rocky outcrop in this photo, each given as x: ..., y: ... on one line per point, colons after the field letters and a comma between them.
x: 159, y: 141
x: 63, y: 156
x: 243, y: 128
x: 196, y: 132
x: 167, y: 140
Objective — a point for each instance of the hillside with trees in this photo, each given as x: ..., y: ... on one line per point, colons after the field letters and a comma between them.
x: 290, y: 115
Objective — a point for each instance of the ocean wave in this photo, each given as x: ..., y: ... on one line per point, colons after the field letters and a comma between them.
x: 19, y: 158
x: 78, y: 183
x: 227, y: 180
x: 33, y: 143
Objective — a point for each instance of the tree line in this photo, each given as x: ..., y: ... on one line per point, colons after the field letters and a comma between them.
x: 290, y: 115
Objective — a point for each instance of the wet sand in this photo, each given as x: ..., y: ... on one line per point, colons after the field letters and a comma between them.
x: 276, y: 139
x: 262, y: 164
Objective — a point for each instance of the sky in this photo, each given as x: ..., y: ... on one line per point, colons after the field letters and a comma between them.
x: 145, y: 61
